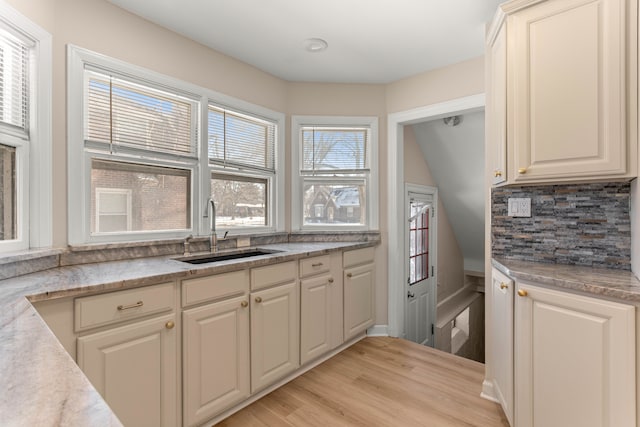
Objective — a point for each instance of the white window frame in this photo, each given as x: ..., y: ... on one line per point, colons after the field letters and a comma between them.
x: 33, y: 156
x: 123, y: 191
x: 275, y: 182
x: 371, y: 187
x: 79, y: 157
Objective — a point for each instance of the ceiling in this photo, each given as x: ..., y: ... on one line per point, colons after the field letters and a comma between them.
x: 455, y: 157
x: 370, y: 41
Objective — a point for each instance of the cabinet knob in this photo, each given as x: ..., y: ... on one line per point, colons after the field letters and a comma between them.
x: 522, y: 171
x: 330, y: 280
x: 504, y: 286
x: 349, y: 275
x: 258, y: 299
x: 497, y: 173
x: 244, y: 304
x: 522, y: 292
x: 169, y: 324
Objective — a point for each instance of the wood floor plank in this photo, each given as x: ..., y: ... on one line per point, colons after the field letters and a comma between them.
x: 379, y: 381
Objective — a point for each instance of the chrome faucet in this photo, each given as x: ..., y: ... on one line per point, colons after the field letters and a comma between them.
x: 213, y: 242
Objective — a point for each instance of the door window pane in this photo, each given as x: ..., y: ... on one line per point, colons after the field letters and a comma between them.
x: 8, y: 208
x: 159, y: 197
x: 240, y: 201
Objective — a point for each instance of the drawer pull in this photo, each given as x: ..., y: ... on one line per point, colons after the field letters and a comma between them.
x: 522, y: 171
x: 330, y: 280
x: 497, y: 174
x: 244, y: 304
x: 504, y: 286
x: 127, y: 307
x: 317, y: 264
x: 349, y: 275
x: 258, y: 299
x: 522, y: 292
x: 169, y: 324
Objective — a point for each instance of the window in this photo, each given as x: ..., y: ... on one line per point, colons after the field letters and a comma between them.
x: 242, y: 161
x: 25, y: 133
x: 335, y: 181
x: 152, y: 150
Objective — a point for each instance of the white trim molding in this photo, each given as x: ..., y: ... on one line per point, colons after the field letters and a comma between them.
x: 378, y: 331
x: 35, y: 222
x: 395, y: 191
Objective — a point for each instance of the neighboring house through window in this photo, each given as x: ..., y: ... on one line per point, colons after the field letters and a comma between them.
x: 335, y: 178
x: 25, y: 133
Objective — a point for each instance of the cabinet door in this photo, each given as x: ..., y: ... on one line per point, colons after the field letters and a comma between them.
x: 275, y: 341
x: 502, y: 289
x: 359, y: 299
x: 497, y: 106
x: 567, y: 90
x: 134, y: 367
x: 315, y: 317
x: 575, y: 363
x: 216, y: 358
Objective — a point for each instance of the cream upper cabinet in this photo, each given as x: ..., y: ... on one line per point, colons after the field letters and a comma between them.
x: 570, y: 89
x: 575, y: 363
x: 497, y: 103
x: 502, y: 291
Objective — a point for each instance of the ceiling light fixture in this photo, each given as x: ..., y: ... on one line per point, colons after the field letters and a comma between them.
x: 315, y: 45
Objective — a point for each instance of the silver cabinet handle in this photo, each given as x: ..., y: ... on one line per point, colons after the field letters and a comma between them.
x: 127, y: 307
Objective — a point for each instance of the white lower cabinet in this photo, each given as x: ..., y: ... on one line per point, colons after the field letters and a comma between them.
x: 215, y: 358
x: 134, y: 367
x: 274, y: 334
x: 574, y: 360
x: 502, y: 291
x: 359, y: 299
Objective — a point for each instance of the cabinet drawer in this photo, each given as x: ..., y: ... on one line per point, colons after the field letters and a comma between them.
x: 263, y: 277
x: 104, y: 309
x: 213, y: 287
x: 357, y: 257
x: 315, y: 265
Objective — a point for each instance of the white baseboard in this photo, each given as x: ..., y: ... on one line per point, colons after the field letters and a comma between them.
x: 488, y: 392
x: 378, y: 331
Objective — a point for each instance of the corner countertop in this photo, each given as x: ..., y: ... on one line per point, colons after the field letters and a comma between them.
x: 613, y: 284
x: 40, y: 383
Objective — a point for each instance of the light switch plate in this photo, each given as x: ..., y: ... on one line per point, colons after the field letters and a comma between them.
x: 519, y: 207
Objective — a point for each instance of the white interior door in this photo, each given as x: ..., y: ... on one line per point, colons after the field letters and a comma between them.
x: 420, y: 247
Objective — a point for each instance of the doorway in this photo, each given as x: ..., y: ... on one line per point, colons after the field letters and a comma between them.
x: 397, y: 278
x: 420, y: 255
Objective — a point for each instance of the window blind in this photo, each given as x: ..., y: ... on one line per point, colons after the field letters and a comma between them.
x: 124, y: 113
x: 240, y: 141
x: 326, y: 150
x: 14, y: 80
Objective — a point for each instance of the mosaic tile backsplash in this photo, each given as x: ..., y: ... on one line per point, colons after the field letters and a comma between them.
x: 579, y: 224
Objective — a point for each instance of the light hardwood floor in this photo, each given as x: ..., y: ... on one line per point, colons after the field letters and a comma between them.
x: 379, y: 381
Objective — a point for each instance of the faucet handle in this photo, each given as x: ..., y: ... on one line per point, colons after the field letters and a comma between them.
x: 186, y: 243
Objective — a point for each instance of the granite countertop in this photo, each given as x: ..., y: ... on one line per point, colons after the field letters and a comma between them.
x: 41, y: 385
x: 613, y: 284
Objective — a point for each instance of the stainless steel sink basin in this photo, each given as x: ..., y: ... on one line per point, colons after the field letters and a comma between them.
x: 224, y: 256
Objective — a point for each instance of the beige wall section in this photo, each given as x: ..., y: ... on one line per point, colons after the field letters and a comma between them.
x: 444, y: 84
x: 104, y: 28
x: 450, y: 260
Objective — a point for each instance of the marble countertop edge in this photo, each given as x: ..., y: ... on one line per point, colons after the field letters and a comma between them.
x: 613, y: 284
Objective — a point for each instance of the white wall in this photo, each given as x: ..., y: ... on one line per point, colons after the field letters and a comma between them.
x: 455, y: 156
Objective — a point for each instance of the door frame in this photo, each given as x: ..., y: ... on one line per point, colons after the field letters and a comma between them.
x: 396, y: 194
x: 433, y: 244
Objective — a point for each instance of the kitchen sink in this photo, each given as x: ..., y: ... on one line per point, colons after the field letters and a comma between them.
x: 224, y: 256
